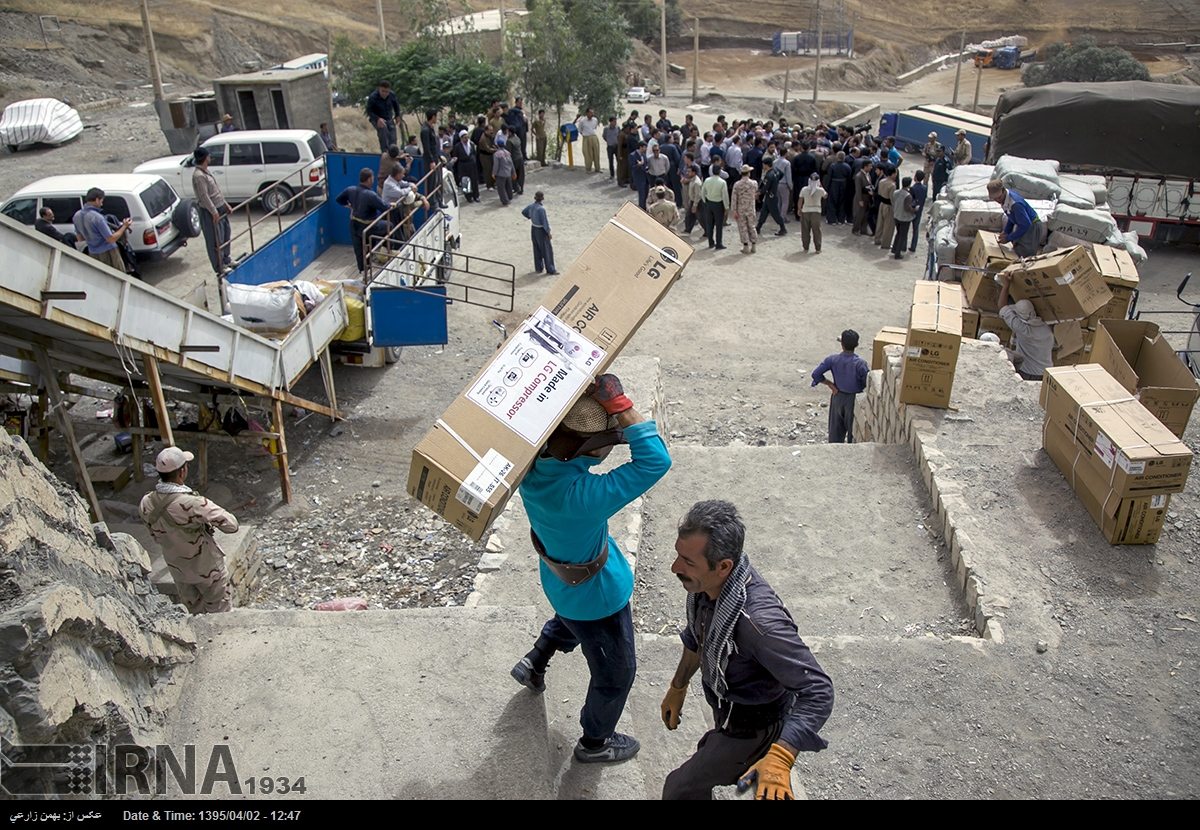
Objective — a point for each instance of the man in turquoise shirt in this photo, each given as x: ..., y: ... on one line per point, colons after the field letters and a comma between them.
x: 584, y: 574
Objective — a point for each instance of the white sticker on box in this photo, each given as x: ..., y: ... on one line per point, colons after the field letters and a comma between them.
x: 529, y: 384
x: 914, y: 351
x: 1066, y: 279
x: 1133, y: 468
x: 483, y: 481
x: 1158, y: 502
x: 1105, y: 450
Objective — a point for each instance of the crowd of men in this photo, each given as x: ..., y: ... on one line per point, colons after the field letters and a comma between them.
x: 806, y: 175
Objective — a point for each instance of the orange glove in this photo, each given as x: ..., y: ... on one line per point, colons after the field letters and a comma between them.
x: 773, y: 774
x: 672, y: 705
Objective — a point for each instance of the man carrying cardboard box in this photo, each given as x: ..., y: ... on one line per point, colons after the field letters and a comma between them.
x: 584, y: 574
x: 1034, y: 340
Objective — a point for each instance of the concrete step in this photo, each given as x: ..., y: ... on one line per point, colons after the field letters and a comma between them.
x: 842, y: 533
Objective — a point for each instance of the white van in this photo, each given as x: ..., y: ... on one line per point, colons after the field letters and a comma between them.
x: 162, y: 222
x: 271, y: 165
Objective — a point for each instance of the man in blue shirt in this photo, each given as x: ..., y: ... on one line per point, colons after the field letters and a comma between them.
x: 1022, y: 228
x: 92, y: 228
x: 365, y: 210
x: 543, y: 251
x: 849, y: 378
x: 584, y: 574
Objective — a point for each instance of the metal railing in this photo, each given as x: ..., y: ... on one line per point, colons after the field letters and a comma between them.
x: 501, y: 288
x: 302, y: 196
x: 384, y: 244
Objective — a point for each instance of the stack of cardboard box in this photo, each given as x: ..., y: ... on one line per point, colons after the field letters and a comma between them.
x: 981, y: 291
x: 468, y: 465
x: 931, y: 344
x: 1120, y: 460
x: 1119, y: 272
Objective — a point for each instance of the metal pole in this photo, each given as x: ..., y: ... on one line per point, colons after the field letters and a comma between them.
x: 663, y: 32
x: 958, y: 67
x: 817, y: 74
x: 382, y: 31
x: 978, y: 82
x: 502, y: 29
x: 787, y: 77
x: 695, y: 59
x: 151, y: 54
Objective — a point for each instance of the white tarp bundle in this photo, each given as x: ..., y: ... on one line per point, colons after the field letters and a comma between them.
x: 38, y: 121
x: 1092, y: 225
x: 263, y: 310
x: 1039, y: 168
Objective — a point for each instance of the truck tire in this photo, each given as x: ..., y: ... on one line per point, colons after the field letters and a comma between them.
x: 391, y: 354
x: 186, y: 218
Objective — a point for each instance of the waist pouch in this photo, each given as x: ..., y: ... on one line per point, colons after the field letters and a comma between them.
x: 884, y: 201
x: 574, y: 574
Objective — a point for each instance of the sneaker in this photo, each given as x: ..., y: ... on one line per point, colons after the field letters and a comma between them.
x: 617, y: 748
x: 531, y: 679
x: 781, y: 232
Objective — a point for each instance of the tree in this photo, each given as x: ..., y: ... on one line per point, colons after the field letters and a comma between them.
x: 645, y: 20
x: 463, y: 85
x: 570, y: 52
x: 1084, y: 62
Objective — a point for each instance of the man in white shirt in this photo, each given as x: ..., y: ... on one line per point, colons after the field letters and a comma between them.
x: 588, y: 124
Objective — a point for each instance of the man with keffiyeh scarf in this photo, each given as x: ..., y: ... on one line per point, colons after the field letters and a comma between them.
x: 768, y: 695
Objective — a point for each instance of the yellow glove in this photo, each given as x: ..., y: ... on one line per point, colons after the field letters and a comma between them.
x: 672, y: 705
x: 773, y: 773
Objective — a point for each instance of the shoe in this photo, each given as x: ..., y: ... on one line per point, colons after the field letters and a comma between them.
x: 552, y: 273
x: 818, y: 250
x: 527, y: 676
x: 898, y: 256
x: 711, y: 245
x: 537, y: 270
x: 806, y: 250
x: 745, y: 249
x: 617, y: 748
x: 720, y: 247
x: 781, y: 232
x: 753, y: 249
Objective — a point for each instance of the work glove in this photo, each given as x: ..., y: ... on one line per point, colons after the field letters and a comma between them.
x: 608, y: 393
x: 672, y: 705
x: 773, y: 774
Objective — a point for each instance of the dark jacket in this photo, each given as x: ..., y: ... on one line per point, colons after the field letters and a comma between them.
x: 380, y: 107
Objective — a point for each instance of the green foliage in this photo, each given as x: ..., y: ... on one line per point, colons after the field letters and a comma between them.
x: 570, y: 51
x: 463, y: 85
x: 645, y: 20
x: 1084, y: 62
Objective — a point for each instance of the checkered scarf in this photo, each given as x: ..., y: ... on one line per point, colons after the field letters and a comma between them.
x: 718, y: 646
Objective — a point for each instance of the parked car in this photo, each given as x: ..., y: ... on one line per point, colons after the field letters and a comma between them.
x: 162, y: 222
x: 270, y: 165
x: 637, y: 94
x: 38, y: 121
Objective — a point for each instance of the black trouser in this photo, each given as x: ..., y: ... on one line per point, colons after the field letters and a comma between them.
x: 216, y: 238
x: 714, y: 221
x: 690, y: 219
x: 841, y: 418
x: 612, y: 161
x: 900, y: 242
x: 835, y: 203
x: 770, y: 206
x: 720, y: 759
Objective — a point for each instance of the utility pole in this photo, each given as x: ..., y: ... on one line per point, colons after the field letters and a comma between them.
x: 787, y: 77
x: 978, y: 82
x: 382, y: 31
x: 155, y: 75
x: 695, y: 59
x: 663, y: 32
x: 502, y: 28
x: 958, y: 66
x: 817, y: 74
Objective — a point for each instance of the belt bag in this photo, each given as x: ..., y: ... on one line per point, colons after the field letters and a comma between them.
x: 574, y: 574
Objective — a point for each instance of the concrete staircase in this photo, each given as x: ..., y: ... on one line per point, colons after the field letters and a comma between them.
x: 419, y: 703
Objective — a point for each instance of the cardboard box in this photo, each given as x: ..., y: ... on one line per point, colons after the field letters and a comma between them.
x: 993, y: 322
x: 1125, y: 444
x: 1116, y: 266
x: 1064, y: 285
x: 970, y: 318
x: 888, y: 336
x: 468, y: 465
x: 1134, y: 521
x: 932, y: 345
x: 987, y: 253
x: 1139, y: 357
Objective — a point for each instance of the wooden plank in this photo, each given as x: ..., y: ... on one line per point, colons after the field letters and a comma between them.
x: 285, y: 476
x: 54, y: 393
x: 150, y: 367
x: 327, y: 378
x: 202, y: 457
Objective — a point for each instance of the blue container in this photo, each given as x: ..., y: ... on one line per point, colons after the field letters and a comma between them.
x: 569, y: 132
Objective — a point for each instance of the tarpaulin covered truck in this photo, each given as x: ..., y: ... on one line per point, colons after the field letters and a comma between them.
x: 1141, y: 136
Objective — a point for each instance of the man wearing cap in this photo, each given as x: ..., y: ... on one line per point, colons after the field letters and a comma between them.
x: 182, y: 522
x: 1023, y: 229
x: 962, y: 153
x: 584, y: 575
x: 768, y: 695
x: 1034, y: 340
x: 849, y: 378
x: 664, y: 210
x: 745, y: 190
x: 930, y: 153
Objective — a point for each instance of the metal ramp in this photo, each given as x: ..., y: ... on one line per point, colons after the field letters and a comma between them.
x: 64, y: 312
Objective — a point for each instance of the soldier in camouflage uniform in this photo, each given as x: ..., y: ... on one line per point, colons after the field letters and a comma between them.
x: 182, y: 521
